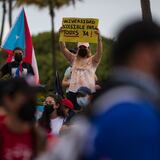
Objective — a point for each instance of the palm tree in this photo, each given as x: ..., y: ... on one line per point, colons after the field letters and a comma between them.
x: 10, y: 2
x: 3, y: 19
x: 51, y: 5
x: 146, y: 10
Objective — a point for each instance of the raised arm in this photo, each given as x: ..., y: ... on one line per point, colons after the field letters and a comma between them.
x: 69, y: 56
x: 98, y: 55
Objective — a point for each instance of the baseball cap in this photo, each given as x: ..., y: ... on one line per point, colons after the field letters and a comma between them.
x: 86, y: 44
x: 84, y: 91
x: 67, y: 103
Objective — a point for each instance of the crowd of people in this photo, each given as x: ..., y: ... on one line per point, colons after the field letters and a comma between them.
x: 119, y: 120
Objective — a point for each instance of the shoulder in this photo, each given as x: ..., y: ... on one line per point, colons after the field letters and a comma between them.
x: 12, y: 63
x: 128, y: 119
x: 26, y: 64
x: 115, y: 96
x: 91, y: 57
x: 126, y: 128
x: 125, y: 119
x: 7, y: 64
x: 124, y: 106
x: 130, y: 113
x: 93, y: 60
x: 68, y: 71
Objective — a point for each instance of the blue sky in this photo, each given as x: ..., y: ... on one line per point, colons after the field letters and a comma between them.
x: 111, y: 13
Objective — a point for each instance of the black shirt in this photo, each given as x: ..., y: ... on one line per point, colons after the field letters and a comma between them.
x: 11, y: 69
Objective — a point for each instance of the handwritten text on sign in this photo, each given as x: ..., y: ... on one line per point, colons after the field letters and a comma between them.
x: 79, y: 30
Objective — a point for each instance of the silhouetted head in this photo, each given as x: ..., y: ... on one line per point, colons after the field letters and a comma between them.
x: 83, y: 49
x: 132, y: 37
x: 138, y: 47
x: 18, y: 54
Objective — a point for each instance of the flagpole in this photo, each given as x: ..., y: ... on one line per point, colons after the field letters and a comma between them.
x: 53, y: 39
x: 3, y: 21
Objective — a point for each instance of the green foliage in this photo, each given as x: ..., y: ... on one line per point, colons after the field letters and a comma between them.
x: 3, y: 57
x: 40, y: 98
x: 104, y: 65
x: 42, y: 45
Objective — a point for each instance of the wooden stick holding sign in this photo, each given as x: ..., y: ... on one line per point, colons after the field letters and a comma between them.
x: 79, y: 30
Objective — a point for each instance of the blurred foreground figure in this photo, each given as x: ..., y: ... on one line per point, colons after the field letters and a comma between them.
x: 19, y: 139
x: 126, y: 116
x: 3, y: 113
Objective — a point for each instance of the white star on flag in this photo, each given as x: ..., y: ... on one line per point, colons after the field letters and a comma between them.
x: 17, y: 37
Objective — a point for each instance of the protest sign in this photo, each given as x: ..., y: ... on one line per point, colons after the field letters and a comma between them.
x: 79, y: 30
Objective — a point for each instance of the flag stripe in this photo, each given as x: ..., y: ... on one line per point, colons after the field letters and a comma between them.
x: 28, y: 43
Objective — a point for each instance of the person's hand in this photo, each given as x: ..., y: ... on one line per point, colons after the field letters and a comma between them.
x: 61, y: 29
x: 97, y: 31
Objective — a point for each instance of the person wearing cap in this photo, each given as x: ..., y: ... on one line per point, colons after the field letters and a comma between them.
x: 64, y: 110
x: 56, y: 116
x: 84, y: 66
x: 17, y: 68
x: 84, y: 97
x: 67, y: 107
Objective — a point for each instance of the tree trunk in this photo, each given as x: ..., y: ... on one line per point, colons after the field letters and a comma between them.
x: 10, y: 12
x: 53, y: 40
x: 146, y: 10
x: 3, y: 20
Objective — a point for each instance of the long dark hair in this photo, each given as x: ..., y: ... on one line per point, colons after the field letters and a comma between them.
x: 45, y: 120
x: 60, y: 111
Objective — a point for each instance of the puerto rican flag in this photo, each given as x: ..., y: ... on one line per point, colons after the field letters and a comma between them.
x: 19, y: 36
